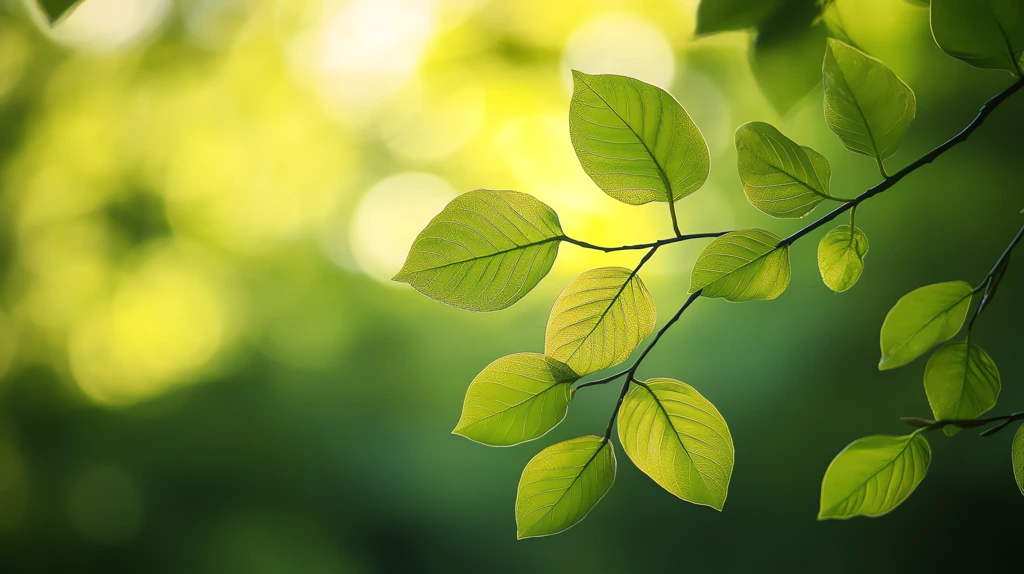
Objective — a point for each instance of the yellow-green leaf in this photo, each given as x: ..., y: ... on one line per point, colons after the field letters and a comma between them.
x: 515, y: 399
x: 600, y: 317
x: 922, y: 319
x: 634, y: 140
x: 780, y: 177
x: 562, y: 484
x: 1017, y: 454
x: 983, y: 33
x: 484, y: 251
x: 742, y: 266
x: 962, y: 382
x: 54, y: 10
x: 873, y: 475
x: 678, y: 438
x: 841, y: 257
x: 866, y: 104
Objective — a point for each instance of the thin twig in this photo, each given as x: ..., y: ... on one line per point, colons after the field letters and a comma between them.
x: 929, y: 425
x: 639, y: 246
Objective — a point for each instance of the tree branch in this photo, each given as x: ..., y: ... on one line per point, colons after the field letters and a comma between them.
x: 929, y: 425
x: 639, y: 246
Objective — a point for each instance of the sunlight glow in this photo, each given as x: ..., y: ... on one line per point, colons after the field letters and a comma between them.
x: 640, y: 49
x: 108, y: 24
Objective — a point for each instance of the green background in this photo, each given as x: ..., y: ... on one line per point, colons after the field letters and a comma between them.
x: 204, y: 369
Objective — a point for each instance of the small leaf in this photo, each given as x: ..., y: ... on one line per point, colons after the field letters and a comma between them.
x: 866, y: 104
x: 515, y: 399
x: 562, y: 484
x: 742, y: 266
x: 779, y: 177
x: 484, y: 251
x: 599, y: 319
x: 54, y: 10
x: 635, y: 140
x: 1017, y: 454
x: 983, y: 33
x: 873, y: 475
x: 678, y: 438
x: 841, y: 257
x: 962, y: 382
x: 922, y: 319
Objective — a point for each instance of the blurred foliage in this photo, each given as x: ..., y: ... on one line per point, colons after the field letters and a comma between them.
x: 203, y: 367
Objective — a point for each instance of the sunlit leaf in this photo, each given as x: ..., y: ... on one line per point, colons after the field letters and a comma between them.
x: 484, y: 251
x: 635, y: 140
x: 866, y: 104
x: 841, y: 255
x: 922, y: 319
x: 54, y: 10
x: 873, y: 475
x: 600, y: 317
x: 1017, y: 454
x: 962, y: 382
x: 983, y: 33
x: 515, y: 399
x: 742, y: 266
x: 678, y: 438
x: 780, y: 177
x: 562, y: 484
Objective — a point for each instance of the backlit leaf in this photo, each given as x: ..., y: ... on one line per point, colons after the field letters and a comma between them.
x: 866, y: 104
x: 922, y: 319
x: 515, y: 399
x: 484, y: 251
x: 600, y: 317
x: 562, y: 484
x: 1017, y: 454
x: 779, y: 177
x: 841, y: 255
x: 742, y: 266
x: 962, y: 382
x: 635, y: 140
x: 873, y: 475
x: 54, y: 10
x: 983, y: 33
x: 678, y: 438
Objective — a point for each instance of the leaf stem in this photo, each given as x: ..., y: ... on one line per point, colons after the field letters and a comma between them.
x: 986, y: 109
x: 675, y: 220
x: 639, y: 246
x: 991, y: 281
x: 925, y: 425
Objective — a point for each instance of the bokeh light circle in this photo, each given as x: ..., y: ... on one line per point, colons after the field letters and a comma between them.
x: 620, y: 43
x: 100, y: 25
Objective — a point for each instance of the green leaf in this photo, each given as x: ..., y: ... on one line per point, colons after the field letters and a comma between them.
x: 962, y: 382
x: 921, y: 3
x: 1017, y: 454
x: 983, y: 33
x: 873, y: 475
x: 678, y: 438
x: 724, y: 15
x: 742, y: 266
x: 54, y: 10
x: 515, y: 399
x: 922, y: 319
x: 785, y: 57
x: 841, y: 257
x: 635, y: 140
x: 779, y: 177
x: 600, y: 317
x: 866, y: 104
x: 484, y: 251
x: 562, y: 484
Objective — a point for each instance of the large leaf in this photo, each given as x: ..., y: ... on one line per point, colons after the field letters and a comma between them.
x: 873, y: 475
x: 515, y: 399
x: 866, y: 104
x: 678, y: 438
x: 962, y: 382
x: 484, y: 251
x: 841, y: 255
x: 1017, y: 454
x: 780, y: 177
x: 600, y: 317
x: 635, y: 140
x: 57, y: 9
x: 983, y: 33
x: 922, y: 319
x: 725, y: 15
x: 562, y: 484
x: 785, y: 56
x: 742, y: 266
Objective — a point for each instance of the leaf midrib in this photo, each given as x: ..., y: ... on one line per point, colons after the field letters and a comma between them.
x: 929, y: 322
x: 675, y: 433
x: 402, y: 274
x: 575, y: 479
x: 874, y: 474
